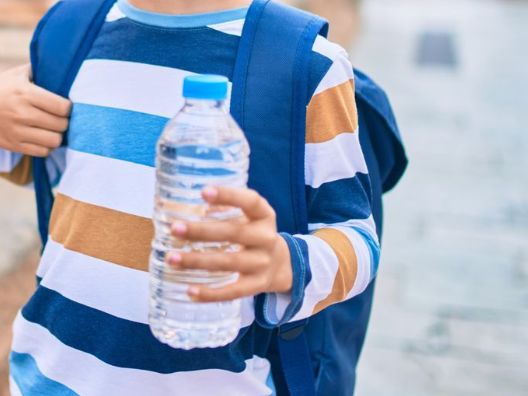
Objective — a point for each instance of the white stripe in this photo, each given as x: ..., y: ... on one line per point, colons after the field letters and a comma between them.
x: 128, y: 187
x: 327, y: 48
x: 114, y: 289
x: 115, y: 14
x: 140, y: 87
x: 8, y: 160
x: 47, y: 258
x: 324, y: 265
x: 13, y: 387
x: 280, y: 302
x: 73, y: 368
x: 363, y: 261
x: 232, y: 27
x: 367, y: 225
x: 336, y: 159
x: 339, y: 73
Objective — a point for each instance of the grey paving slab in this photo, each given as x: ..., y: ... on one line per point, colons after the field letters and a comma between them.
x: 451, y: 311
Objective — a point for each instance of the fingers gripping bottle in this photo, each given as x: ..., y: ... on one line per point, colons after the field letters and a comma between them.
x: 201, y: 146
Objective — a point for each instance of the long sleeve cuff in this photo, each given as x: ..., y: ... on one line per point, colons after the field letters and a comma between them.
x: 275, y: 309
x: 8, y: 160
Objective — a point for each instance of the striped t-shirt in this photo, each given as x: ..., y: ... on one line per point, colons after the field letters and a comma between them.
x: 85, y: 330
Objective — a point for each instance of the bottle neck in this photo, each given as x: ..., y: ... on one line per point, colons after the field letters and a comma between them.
x: 205, y: 106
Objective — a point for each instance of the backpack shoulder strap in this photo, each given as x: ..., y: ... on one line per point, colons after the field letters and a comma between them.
x: 62, y: 40
x: 269, y: 101
x: 60, y: 44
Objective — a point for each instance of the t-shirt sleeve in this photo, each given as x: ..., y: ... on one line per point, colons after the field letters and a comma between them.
x: 340, y: 256
x: 18, y: 168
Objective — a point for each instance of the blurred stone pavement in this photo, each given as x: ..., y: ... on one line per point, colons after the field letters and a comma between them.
x: 451, y: 309
x: 19, y: 241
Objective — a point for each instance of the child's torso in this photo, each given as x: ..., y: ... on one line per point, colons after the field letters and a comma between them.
x: 86, y: 327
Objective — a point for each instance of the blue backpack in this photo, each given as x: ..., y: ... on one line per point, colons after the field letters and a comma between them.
x: 276, y: 92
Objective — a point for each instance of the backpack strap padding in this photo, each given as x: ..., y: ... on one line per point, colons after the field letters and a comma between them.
x: 269, y: 102
x: 60, y: 44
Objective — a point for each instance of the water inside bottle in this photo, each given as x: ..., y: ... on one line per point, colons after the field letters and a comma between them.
x: 185, y: 165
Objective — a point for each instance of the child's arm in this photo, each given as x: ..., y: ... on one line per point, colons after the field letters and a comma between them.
x: 343, y: 248
x: 32, y: 121
x: 341, y: 254
x: 301, y: 275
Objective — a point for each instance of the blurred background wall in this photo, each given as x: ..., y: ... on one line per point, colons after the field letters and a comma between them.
x: 451, y: 311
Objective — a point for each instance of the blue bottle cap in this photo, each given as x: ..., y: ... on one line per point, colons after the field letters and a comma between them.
x: 205, y: 86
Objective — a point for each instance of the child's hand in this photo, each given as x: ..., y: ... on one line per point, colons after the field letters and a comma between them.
x: 264, y: 260
x: 32, y: 119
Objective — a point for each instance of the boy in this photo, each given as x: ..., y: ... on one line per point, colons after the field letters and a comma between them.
x: 85, y: 330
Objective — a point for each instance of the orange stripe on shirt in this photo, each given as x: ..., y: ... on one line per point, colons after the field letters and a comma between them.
x: 331, y: 113
x: 103, y: 233
x: 22, y: 174
x: 347, y: 272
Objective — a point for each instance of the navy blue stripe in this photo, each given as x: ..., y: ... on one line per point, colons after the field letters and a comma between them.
x: 30, y: 379
x: 319, y: 66
x: 176, y: 48
x: 200, y: 50
x: 127, y: 344
x: 340, y: 200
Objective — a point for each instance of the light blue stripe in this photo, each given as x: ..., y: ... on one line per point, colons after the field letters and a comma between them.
x: 180, y: 21
x: 30, y: 379
x: 271, y: 384
x: 374, y: 251
x: 115, y: 133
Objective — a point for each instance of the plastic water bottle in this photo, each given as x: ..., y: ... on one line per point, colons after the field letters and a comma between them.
x: 201, y: 146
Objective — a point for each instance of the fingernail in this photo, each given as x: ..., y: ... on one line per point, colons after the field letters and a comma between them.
x: 175, y: 258
x: 193, y: 291
x: 179, y: 228
x: 210, y: 192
